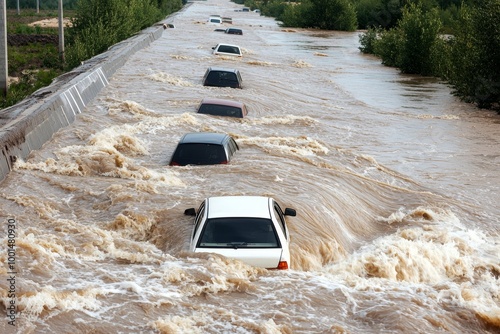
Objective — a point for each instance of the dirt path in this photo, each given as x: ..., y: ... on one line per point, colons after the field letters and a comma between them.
x: 50, y: 23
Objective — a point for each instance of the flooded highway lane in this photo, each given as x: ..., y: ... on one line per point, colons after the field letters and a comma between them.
x: 394, y: 182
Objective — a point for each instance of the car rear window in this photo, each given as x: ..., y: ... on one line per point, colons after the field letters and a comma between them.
x: 239, y: 233
x: 199, y: 154
x: 228, y: 49
x: 220, y: 110
x: 222, y: 79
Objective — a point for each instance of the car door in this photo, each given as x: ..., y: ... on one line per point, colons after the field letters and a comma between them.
x: 281, y: 219
x: 198, y: 225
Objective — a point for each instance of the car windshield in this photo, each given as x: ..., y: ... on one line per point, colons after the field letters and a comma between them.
x: 238, y: 233
x: 222, y: 79
x: 228, y: 49
x: 199, y: 154
x: 220, y: 110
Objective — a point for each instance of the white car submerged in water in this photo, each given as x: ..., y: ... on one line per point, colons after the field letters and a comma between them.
x: 227, y: 50
x: 247, y: 228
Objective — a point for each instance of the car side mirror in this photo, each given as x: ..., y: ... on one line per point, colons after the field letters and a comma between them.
x: 190, y: 212
x: 290, y: 212
x: 213, y: 48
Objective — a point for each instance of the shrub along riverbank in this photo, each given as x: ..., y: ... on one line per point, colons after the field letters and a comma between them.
x: 469, y: 59
x: 407, y: 34
x: 410, y: 35
x: 95, y: 26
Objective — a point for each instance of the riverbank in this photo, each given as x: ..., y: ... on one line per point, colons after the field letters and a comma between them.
x: 27, y: 125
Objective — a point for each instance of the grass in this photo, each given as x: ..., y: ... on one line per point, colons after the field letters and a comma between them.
x: 19, y: 24
x: 33, y: 65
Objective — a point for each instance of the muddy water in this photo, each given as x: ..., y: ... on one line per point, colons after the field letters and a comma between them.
x: 395, y: 182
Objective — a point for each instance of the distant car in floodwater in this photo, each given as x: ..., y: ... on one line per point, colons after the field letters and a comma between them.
x: 204, y: 148
x: 223, y: 49
x: 222, y: 77
x: 234, y: 31
x: 221, y: 107
x: 214, y: 20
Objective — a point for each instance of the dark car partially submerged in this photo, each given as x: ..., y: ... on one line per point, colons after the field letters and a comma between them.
x: 222, y: 77
x: 234, y: 31
x: 204, y: 148
x: 220, y: 107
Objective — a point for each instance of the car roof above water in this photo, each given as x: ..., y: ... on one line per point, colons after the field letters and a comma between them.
x: 238, y: 206
x: 222, y: 77
x: 208, y: 100
x: 204, y: 137
x: 222, y: 69
x: 234, y: 31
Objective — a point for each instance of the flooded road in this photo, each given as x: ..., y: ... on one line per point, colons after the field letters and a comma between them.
x: 395, y: 183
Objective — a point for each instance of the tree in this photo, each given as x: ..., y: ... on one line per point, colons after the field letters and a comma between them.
x: 98, y: 24
x: 322, y: 14
x: 475, y: 55
x: 378, y: 13
x: 410, y: 45
x: 420, y: 32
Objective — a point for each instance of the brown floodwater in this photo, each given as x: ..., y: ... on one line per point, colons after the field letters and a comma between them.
x: 395, y: 182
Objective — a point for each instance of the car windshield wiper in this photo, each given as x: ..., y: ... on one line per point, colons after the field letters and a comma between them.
x: 235, y: 245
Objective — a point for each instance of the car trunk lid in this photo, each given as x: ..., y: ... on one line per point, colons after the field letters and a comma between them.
x: 257, y: 257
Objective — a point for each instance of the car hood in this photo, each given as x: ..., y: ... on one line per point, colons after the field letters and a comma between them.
x: 257, y: 257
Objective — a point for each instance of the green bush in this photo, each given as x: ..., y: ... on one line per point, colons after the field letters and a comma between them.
x: 321, y: 14
x: 368, y: 40
x: 440, y: 57
x: 388, y: 47
x: 98, y: 24
x: 449, y: 17
x: 420, y: 32
x: 475, y: 54
x: 410, y: 45
x: 378, y: 13
x: 274, y: 8
x: 29, y: 82
x: 296, y: 15
x: 469, y: 60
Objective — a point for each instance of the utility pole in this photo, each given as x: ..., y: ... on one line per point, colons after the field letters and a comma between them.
x: 4, y: 85
x: 61, y: 31
x: 18, y: 8
x: 37, y: 6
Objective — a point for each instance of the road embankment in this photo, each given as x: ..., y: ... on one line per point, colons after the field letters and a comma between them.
x: 29, y: 124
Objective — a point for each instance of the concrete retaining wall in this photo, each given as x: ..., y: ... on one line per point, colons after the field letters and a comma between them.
x: 31, y: 123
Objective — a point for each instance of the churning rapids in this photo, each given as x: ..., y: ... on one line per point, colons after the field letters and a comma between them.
x: 395, y: 183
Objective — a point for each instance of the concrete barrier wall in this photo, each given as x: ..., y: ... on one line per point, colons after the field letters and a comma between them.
x: 31, y: 123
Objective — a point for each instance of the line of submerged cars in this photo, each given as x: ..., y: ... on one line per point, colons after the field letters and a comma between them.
x: 251, y: 229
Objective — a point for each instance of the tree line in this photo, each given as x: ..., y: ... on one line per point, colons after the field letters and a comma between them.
x: 456, y: 40
x: 468, y: 59
x: 43, y: 4
x: 98, y: 24
x: 95, y: 26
